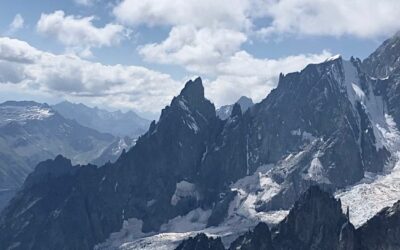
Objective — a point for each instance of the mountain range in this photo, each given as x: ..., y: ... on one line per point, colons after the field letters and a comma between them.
x: 31, y: 132
x: 331, y: 125
x: 116, y: 123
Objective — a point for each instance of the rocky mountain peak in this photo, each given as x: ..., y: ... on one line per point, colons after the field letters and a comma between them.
x: 245, y: 103
x: 315, y: 220
x: 192, y: 104
x: 384, y: 61
x: 193, y: 89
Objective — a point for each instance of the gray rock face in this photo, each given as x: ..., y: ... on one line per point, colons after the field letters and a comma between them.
x: 116, y: 123
x: 385, y: 60
x: 258, y: 239
x: 201, y: 242
x: 311, y: 120
x: 384, y: 65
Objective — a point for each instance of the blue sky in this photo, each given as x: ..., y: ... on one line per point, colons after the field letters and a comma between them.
x: 131, y: 54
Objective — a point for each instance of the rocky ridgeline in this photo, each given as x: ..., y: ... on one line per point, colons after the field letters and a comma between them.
x: 320, y: 126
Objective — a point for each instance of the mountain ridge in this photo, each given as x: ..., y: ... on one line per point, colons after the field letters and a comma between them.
x: 326, y: 125
x: 117, y: 123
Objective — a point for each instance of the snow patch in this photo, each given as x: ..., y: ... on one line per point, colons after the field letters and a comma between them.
x: 316, y: 171
x: 193, y: 221
x: 242, y: 216
x: 22, y: 114
x: 306, y: 136
x: 296, y: 132
x: 251, y: 191
x: 373, y: 105
x: 183, y: 189
x: 358, y: 91
x: 332, y: 58
x: 131, y: 230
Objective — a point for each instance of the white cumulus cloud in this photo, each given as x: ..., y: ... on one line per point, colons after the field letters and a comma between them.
x: 205, y: 13
x: 199, y: 50
x: 16, y: 24
x: 243, y: 74
x: 360, y: 18
x: 117, y: 86
x: 68, y: 76
x: 79, y: 33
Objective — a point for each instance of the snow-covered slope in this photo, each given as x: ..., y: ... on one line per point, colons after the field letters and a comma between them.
x: 241, y: 217
x: 376, y: 191
x: 22, y: 112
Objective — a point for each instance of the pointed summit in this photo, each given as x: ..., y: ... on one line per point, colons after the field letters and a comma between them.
x: 192, y: 100
x: 193, y: 89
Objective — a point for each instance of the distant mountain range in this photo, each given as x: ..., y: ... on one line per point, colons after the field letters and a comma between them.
x: 31, y: 132
x: 116, y: 123
x: 225, y: 111
x: 334, y: 125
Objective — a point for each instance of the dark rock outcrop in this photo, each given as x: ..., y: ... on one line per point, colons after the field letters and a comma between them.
x: 385, y: 60
x: 201, y: 242
x: 382, y: 232
x: 315, y: 222
x: 258, y: 239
